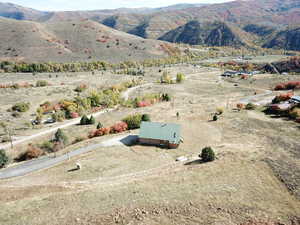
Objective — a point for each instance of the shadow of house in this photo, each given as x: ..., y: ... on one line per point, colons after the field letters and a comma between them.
x: 130, y: 140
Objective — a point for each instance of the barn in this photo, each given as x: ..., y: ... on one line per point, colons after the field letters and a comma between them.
x: 160, y: 134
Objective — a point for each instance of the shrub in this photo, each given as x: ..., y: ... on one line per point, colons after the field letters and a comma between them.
x: 119, y: 127
x: 78, y: 139
x: 165, y: 78
x: 3, y: 158
x: 21, y: 107
x: 166, y: 97
x: 220, y: 110
x: 250, y: 106
x: 91, y: 120
x: 215, y: 117
x: 80, y: 88
x: 99, y: 125
x: 59, y: 136
x: 207, y: 154
x: 133, y: 121
x: 47, y: 146
x: 295, y: 113
x: 240, y: 106
x: 31, y: 153
x: 282, y: 97
x: 146, y: 117
x: 84, y: 120
x: 58, y: 116
x: 180, y: 77
x: 41, y: 83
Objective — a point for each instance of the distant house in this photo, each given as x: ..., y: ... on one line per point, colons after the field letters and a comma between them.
x: 160, y: 134
x: 230, y: 73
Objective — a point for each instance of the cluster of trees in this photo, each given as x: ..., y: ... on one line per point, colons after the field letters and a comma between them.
x: 134, y: 121
x: 87, y: 121
x: 146, y: 100
x: 58, y: 142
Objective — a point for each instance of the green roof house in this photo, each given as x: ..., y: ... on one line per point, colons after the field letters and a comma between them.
x: 160, y: 134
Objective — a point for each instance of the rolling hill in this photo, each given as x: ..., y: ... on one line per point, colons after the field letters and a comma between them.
x: 252, y: 23
x: 288, y: 39
x: 73, y: 41
x: 209, y: 34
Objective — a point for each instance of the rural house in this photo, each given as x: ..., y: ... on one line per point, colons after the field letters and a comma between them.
x: 160, y: 134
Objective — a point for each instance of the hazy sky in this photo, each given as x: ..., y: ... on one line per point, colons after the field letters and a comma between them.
x: 59, y: 5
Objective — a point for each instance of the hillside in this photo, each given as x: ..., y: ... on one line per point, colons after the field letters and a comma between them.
x: 288, y: 39
x: 72, y: 41
x: 17, y: 12
x: 209, y: 34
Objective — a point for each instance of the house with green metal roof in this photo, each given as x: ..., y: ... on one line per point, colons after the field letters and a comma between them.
x: 160, y: 134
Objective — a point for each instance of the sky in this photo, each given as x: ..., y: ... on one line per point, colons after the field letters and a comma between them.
x: 62, y: 5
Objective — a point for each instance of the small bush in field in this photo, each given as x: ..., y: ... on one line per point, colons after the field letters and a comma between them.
x: 81, y: 88
x: 47, y: 146
x: 240, y: 106
x: 42, y: 83
x: 295, y: 113
x: 282, y: 97
x: 99, y: 125
x: 84, y: 120
x: 146, y: 117
x: 215, y: 117
x: 207, y: 154
x: 21, y: 107
x: 3, y: 158
x: 32, y: 153
x: 166, y: 97
x: 91, y: 120
x: 60, y: 136
x: 250, y: 106
x: 180, y: 77
x: 133, y: 121
x: 220, y: 110
x: 119, y: 127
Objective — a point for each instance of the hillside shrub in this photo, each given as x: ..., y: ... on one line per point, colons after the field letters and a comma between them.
x: 165, y: 78
x: 21, y: 107
x: 133, y: 121
x: 3, y: 158
x: 207, y: 154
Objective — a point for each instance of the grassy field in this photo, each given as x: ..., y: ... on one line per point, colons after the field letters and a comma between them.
x: 256, y: 174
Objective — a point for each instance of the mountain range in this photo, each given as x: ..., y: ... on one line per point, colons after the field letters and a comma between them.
x: 248, y: 23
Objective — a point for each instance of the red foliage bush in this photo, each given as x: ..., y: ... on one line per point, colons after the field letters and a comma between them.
x: 74, y: 115
x: 240, y: 106
x: 143, y: 104
x: 32, y: 152
x: 119, y: 127
x: 287, y: 85
x: 284, y: 96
